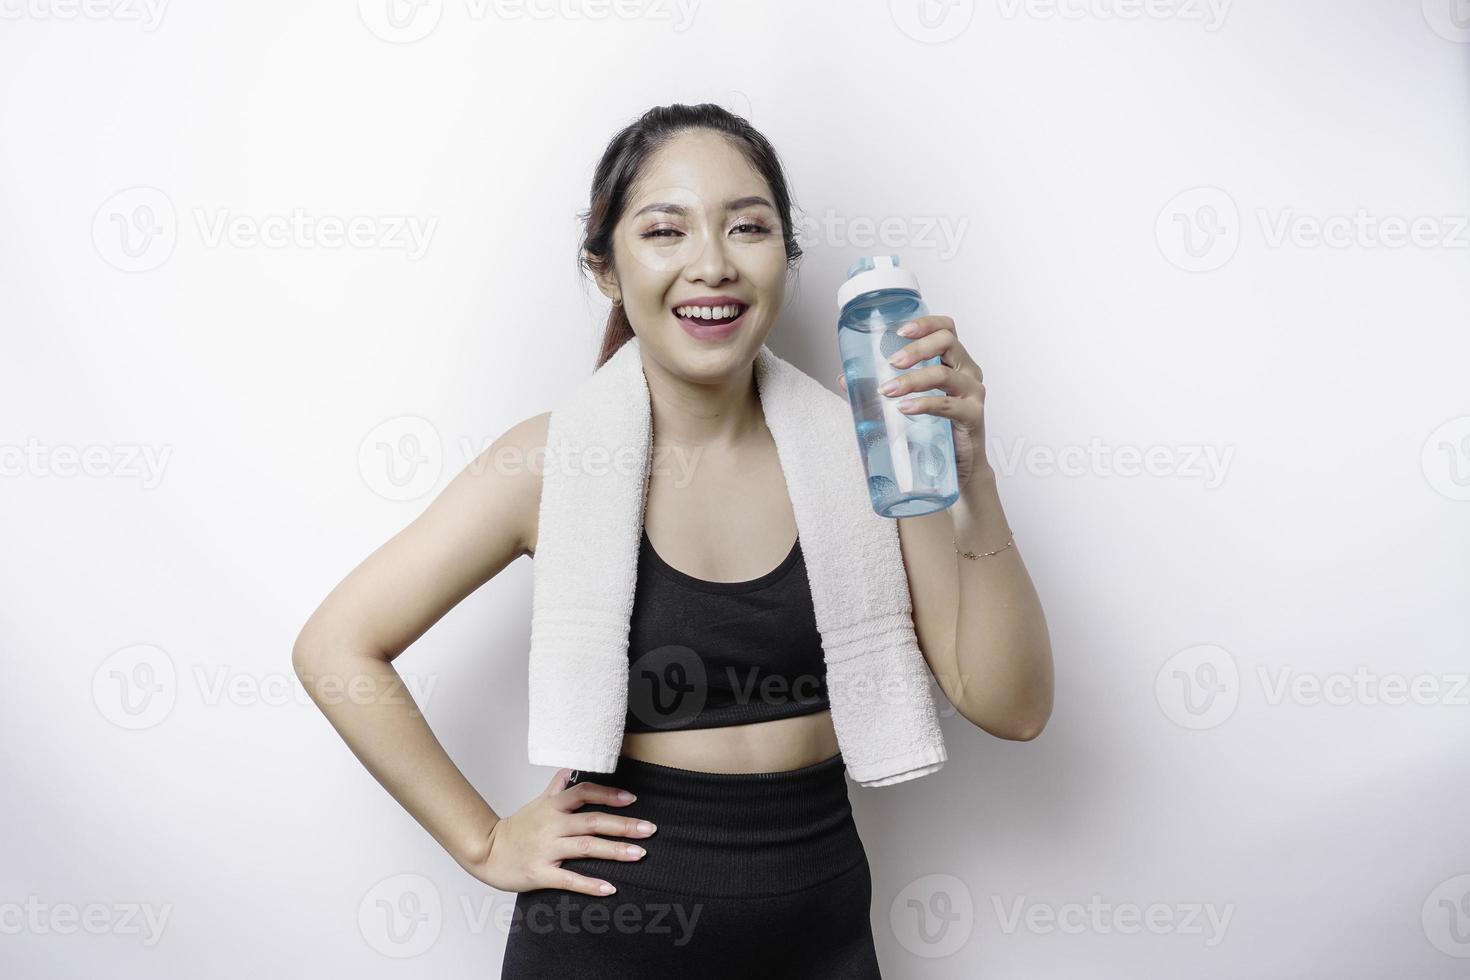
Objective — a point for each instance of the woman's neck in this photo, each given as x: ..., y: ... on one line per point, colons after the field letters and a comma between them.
x: 721, y: 414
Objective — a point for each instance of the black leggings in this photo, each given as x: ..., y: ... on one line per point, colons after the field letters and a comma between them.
x: 748, y: 875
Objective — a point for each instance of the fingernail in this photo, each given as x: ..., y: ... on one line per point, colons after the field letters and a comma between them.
x: 606, y: 889
x: 625, y: 796
x: 907, y: 406
x: 897, y: 359
x: 636, y: 851
x: 907, y: 330
x: 889, y: 387
x: 645, y: 827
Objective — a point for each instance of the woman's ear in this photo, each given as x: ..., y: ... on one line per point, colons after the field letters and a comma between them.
x: 607, y: 283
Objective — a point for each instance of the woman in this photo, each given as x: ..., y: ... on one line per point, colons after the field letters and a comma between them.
x: 723, y: 843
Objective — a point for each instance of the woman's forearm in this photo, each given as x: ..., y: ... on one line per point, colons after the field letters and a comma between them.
x: 1002, y: 647
x: 368, y: 704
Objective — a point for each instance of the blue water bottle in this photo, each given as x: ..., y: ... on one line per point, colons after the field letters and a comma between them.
x: 909, y: 459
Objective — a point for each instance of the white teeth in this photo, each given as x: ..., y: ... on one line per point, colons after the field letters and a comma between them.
x: 707, y: 312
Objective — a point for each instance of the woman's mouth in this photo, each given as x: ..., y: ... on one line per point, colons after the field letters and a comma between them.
x: 714, y: 321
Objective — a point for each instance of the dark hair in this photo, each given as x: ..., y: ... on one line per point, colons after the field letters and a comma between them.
x: 623, y: 161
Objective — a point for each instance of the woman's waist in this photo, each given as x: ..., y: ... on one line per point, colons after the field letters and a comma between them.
x: 731, y: 834
x: 773, y: 745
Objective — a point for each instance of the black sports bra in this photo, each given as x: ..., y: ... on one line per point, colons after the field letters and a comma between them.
x: 707, y: 654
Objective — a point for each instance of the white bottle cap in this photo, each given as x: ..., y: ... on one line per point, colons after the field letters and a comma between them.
x: 885, y: 274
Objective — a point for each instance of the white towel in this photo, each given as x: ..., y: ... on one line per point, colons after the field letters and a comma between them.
x: 594, y: 491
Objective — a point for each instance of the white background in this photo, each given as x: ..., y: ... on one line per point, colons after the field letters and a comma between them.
x: 1119, y: 178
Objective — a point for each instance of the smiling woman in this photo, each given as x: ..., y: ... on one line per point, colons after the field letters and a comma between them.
x: 690, y: 211
x: 714, y: 837
x: 690, y: 235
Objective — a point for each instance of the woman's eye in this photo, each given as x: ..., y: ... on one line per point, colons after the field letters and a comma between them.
x: 749, y: 227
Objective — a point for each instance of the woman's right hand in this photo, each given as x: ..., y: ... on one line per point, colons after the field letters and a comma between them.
x: 526, y: 849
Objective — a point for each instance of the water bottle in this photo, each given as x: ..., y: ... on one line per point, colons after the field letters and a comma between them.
x: 909, y: 459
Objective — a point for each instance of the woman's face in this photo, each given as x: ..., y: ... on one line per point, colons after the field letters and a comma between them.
x: 700, y: 228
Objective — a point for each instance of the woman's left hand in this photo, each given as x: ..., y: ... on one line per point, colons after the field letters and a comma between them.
x: 956, y: 374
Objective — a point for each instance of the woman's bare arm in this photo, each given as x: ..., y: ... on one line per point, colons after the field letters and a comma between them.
x: 482, y: 521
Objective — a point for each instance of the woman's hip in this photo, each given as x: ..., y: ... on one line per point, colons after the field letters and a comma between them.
x: 731, y: 835
x: 747, y: 874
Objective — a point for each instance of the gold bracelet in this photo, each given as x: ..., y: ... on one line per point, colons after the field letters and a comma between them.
x: 970, y: 554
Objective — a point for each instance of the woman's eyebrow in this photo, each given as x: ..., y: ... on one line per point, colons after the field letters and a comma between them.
x: 681, y: 210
